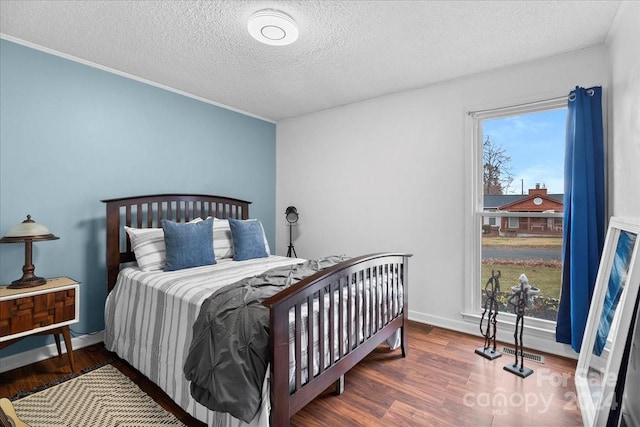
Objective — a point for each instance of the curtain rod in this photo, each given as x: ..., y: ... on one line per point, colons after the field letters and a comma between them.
x: 545, y: 101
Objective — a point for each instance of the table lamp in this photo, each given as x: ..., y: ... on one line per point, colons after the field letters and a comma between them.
x: 28, y: 231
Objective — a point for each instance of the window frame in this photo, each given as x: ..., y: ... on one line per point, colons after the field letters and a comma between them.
x: 474, y: 213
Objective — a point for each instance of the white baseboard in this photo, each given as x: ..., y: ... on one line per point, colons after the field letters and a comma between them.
x: 37, y: 354
x: 532, y: 339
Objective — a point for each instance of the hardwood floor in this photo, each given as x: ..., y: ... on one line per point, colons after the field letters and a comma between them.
x: 441, y: 382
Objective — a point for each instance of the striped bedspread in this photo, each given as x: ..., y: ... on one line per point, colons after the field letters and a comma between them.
x: 149, y: 318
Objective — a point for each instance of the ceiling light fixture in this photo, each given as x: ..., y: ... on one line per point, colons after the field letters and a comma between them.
x: 273, y: 27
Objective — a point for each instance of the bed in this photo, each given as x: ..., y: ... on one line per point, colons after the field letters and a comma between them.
x: 349, y: 309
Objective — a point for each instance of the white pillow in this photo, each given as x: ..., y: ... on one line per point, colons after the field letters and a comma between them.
x: 223, y: 242
x: 148, y: 246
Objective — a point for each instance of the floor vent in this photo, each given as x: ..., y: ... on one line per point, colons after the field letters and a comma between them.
x: 529, y: 356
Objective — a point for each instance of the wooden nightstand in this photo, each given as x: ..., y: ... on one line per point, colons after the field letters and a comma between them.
x: 40, y: 310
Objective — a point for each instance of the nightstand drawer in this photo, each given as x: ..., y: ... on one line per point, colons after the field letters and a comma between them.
x: 37, y: 311
x: 34, y: 310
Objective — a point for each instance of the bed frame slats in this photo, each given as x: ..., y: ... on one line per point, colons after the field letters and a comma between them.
x: 370, y: 296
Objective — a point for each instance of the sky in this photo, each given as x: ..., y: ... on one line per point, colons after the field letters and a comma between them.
x: 535, y: 142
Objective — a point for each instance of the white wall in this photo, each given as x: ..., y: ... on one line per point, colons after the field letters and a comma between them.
x: 388, y: 174
x: 624, y: 139
x: 624, y: 111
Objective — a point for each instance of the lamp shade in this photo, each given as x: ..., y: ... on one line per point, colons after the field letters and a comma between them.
x: 27, y: 230
x: 291, y: 214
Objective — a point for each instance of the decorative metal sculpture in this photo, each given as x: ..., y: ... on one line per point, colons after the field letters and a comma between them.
x: 522, y: 295
x: 488, y: 320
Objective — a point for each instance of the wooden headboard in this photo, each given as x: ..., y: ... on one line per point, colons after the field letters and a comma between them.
x: 149, y: 211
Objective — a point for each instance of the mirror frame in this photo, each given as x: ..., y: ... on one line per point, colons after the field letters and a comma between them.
x: 595, y: 409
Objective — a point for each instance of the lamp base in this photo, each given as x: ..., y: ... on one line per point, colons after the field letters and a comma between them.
x: 27, y: 282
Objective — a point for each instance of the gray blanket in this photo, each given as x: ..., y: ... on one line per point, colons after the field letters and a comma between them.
x: 229, y: 352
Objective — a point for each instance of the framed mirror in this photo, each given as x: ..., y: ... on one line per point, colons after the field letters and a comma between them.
x: 609, y: 322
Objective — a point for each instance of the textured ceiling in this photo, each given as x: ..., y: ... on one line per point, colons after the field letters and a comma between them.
x: 347, y: 50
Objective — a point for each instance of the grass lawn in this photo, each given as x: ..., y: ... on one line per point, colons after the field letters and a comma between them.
x: 545, y: 275
x: 522, y: 242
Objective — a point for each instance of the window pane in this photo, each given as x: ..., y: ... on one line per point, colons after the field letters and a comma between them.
x: 523, y: 176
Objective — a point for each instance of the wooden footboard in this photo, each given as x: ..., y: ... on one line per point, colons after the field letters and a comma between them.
x: 362, y: 302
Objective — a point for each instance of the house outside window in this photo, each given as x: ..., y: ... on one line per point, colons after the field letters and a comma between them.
x: 536, y: 201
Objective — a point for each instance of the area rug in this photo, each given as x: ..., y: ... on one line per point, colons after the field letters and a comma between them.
x: 103, y: 397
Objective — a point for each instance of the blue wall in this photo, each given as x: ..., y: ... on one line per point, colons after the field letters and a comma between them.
x: 72, y: 135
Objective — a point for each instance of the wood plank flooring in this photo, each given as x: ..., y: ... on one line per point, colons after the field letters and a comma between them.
x: 441, y: 382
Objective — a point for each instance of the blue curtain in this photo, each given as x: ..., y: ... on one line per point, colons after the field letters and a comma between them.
x: 584, y: 212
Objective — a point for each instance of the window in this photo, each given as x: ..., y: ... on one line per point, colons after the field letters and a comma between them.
x: 513, y: 222
x: 517, y: 165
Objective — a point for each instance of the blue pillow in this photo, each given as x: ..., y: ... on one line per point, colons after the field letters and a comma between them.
x: 248, y: 239
x: 188, y: 244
